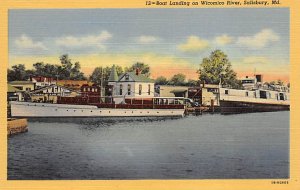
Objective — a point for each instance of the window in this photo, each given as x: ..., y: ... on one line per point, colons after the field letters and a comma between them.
x: 149, y: 88
x: 226, y: 91
x: 127, y: 77
x: 93, y: 89
x: 129, y: 89
x: 281, y: 96
x: 247, y: 81
x: 263, y: 94
x: 140, y: 89
x: 121, y: 89
x: 28, y: 89
x: 247, y: 93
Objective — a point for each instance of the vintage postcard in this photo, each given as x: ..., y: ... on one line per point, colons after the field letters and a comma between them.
x: 150, y: 94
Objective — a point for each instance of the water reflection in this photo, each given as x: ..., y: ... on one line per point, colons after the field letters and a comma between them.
x: 103, y: 121
x: 203, y: 147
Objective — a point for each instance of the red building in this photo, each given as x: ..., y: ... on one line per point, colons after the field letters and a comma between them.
x: 87, y: 90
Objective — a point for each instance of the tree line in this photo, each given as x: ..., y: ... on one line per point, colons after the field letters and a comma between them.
x: 69, y: 70
x: 66, y: 70
x: 214, y: 69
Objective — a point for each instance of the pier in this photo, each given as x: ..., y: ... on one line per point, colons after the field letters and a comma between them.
x: 16, y: 126
x: 196, y: 110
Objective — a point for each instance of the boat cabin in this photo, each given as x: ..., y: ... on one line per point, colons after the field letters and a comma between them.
x: 254, y: 95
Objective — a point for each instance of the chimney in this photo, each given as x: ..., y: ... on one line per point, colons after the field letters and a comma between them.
x: 137, y: 71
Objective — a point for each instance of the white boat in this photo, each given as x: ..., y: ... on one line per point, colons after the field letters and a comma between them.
x: 31, y: 109
x: 256, y: 100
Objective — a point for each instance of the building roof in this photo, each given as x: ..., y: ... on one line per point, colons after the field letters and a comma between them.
x: 46, y: 87
x: 21, y: 82
x: 113, y: 77
x: 73, y: 84
x: 10, y: 88
x: 137, y: 78
x: 42, y: 79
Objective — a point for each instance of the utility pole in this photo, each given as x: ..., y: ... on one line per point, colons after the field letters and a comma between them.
x: 101, y: 84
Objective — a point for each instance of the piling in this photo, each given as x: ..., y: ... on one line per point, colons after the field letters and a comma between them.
x: 212, y: 106
x: 16, y: 126
x: 198, y: 111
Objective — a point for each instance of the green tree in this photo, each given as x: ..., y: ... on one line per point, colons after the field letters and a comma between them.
x: 192, y: 82
x: 18, y: 72
x: 217, y: 67
x: 103, y: 73
x: 47, y: 70
x: 178, y: 79
x: 68, y: 71
x: 76, y: 74
x: 161, y: 80
x: 144, y: 68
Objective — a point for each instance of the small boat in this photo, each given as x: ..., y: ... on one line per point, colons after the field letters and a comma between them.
x: 156, y: 107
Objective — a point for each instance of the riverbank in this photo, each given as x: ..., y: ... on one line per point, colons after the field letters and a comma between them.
x: 16, y: 126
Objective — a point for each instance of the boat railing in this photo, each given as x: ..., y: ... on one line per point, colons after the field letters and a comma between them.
x: 130, y: 102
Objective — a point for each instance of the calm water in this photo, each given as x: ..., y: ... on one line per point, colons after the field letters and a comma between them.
x: 203, y: 147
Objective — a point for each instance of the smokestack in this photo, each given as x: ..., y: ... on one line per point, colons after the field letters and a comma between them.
x: 137, y: 71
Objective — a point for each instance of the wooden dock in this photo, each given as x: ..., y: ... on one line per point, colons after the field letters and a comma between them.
x: 16, y: 126
x: 196, y: 110
x: 202, y: 109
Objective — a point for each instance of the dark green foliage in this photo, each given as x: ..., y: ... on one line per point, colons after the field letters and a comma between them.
x: 103, y: 73
x: 161, y: 80
x: 216, y: 68
x: 178, y: 79
x: 18, y: 72
x: 144, y: 68
x: 67, y: 70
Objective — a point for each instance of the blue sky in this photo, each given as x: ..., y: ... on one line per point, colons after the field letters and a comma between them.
x: 174, y: 39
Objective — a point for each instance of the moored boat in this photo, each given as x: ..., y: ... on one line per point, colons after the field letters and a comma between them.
x: 170, y: 107
x: 234, y: 101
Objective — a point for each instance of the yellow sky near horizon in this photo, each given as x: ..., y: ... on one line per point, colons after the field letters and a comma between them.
x: 161, y: 65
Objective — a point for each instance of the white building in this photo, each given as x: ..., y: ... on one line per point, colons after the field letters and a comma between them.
x: 41, y: 81
x: 130, y: 85
x: 51, y: 93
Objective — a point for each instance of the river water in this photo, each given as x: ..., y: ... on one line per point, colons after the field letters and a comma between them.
x: 244, y: 146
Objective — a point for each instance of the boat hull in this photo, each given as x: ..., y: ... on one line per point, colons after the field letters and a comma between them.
x: 45, y: 110
x: 235, y: 107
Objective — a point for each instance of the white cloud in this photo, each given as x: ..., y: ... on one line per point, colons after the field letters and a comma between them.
x: 193, y: 44
x: 259, y: 40
x: 25, y: 42
x: 147, y: 39
x: 84, y: 41
x: 224, y: 39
